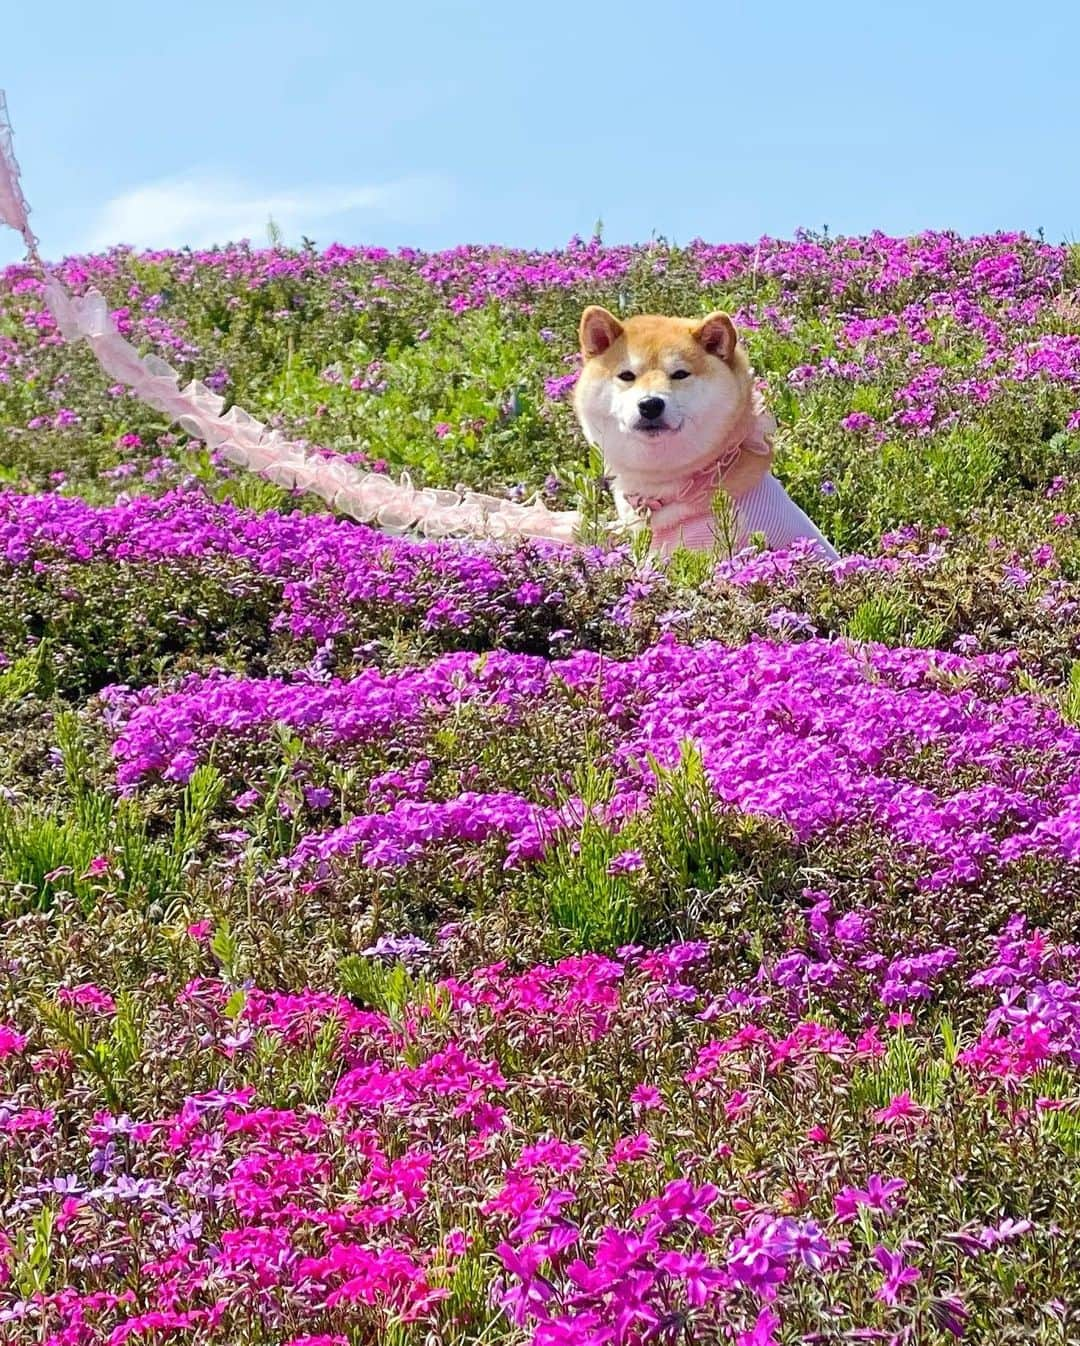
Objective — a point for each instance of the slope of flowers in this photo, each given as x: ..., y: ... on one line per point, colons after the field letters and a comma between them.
x: 912, y: 377
x: 581, y: 1152
x: 414, y: 943
x: 815, y: 734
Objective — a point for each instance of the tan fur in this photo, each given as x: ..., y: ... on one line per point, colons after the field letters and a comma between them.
x: 709, y: 406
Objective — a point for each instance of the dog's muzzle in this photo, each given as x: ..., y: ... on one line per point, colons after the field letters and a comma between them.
x: 651, y: 418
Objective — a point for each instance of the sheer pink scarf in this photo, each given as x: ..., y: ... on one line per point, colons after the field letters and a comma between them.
x: 371, y: 497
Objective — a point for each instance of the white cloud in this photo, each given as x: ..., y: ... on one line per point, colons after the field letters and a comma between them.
x: 200, y: 210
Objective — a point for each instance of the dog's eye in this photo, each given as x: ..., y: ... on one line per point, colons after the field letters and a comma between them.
x: 627, y: 376
x: 681, y: 374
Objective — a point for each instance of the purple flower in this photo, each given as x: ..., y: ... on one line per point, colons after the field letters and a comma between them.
x: 394, y: 947
x: 857, y: 420
x: 626, y: 862
x: 897, y: 1274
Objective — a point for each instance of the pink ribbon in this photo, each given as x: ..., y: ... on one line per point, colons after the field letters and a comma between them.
x: 370, y: 497
x: 14, y: 211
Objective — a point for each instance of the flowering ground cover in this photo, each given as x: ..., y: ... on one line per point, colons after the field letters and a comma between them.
x: 419, y: 942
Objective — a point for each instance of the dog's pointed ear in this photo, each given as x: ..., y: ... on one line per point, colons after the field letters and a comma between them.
x: 716, y: 334
x: 598, y: 330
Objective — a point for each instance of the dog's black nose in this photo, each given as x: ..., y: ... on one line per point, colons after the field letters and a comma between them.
x: 651, y: 408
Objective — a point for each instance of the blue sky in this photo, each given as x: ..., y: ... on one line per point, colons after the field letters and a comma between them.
x: 434, y: 124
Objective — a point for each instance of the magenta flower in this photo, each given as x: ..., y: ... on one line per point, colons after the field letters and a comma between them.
x: 11, y: 1041
x: 900, y: 1108
x: 626, y: 862
x: 764, y: 1331
x: 87, y: 997
x: 629, y: 1149
x: 647, y: 1098
x: 680, y: 1201
x: 877, y: 1196
x: 1005, y: 1232
x: 857, y: 420
x: 897, y: 1274
x: 701, y: 1280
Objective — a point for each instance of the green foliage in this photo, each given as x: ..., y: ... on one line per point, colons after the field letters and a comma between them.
x: 1070, y: 700
x: 33, y: 1263
x: 587, y: 906
x: 689, y: 845
x: 890, y: 620
x: 46, y: 852
x: 88, y: 625
x: 586, y: 488
x: 29, y: 675
x: 392, y: 990
x: 109, y: 1055
x: 907, y: 1067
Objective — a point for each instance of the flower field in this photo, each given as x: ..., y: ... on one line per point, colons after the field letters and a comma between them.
x: 436, y: 942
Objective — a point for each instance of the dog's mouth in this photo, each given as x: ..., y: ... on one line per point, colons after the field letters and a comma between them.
x: 655, y: 429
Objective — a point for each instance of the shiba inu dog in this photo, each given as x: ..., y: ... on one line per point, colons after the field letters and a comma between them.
x: 672, y: 406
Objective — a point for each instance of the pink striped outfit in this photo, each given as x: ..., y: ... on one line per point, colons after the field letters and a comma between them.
x: 766, y: 509
x: 680, y: 511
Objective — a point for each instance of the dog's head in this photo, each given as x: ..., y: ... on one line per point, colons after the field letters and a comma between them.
x: 656, y: 394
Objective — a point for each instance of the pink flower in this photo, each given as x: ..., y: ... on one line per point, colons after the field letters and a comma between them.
x: 558, y: 1156
x: 30, y: 1121
x: 857, y: 420
x: 1005, y: 1232
x: 199, y: 931
x: 901, y: 1107
x: 626, y: 862
x: 877, y: 1196
x: 680, y: 1201
x: 763, y: 1333
x: 11, y: 1042
x: 69, y: 1210
x: 737, y: 1103
x: 949, y: 1312
x: 897, y: 1274
x: 647, y: 1098
x: 87, y: 997
x: 628, y: 1149
x: 700, y: 1278
x: 868, y: 1043
x: 457, y: 1242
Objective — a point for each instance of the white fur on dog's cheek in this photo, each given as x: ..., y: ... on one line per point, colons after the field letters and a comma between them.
x: 596, y: 418
x: 707, y: 401
x: 625, y: 408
